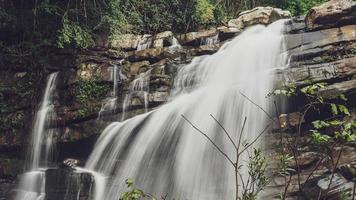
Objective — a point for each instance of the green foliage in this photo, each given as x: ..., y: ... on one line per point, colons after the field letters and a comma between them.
x: 87, y: 91
x: 286, y: 90
x: 133, y: 193
x: 73, y: 33
x: 204, y: 12
x: 301, y: 7
x: 283, y: 164
x: 343, y: 130
x: 258, y: 180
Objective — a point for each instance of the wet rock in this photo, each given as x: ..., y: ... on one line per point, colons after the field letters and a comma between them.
x: 129, y: 42
x: 158, y: 97
x: 204, y: 50
x: 227, y: 32
x: 331, y: 14
x: 317, y: 188
x: 306, y: 160
x: 152, y: 55
x: 296, y: 25
x: 194, y: 38
x: 349, y: 171
x: 334, y: 90
x: 163, y: 39
x: 303, y: 44
x: 258, y: 15
x: 320, y: 72
x: 90, y: 71
x: 135, y: 67
x: 70, y: 163
x: 290, y: 120
x: 65, y: 183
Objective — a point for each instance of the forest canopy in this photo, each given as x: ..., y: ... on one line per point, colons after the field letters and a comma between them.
x: 31, y: 24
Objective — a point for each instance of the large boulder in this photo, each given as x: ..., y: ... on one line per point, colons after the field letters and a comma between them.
x: 163, y: 39
x: 258, y: 15
x: 306, y: 46
x: 334, y: 13
x: 327, y: 186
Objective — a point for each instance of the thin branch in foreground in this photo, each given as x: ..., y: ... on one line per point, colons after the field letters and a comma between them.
x: 254, y: 141
x: 241, y: 133
x: 225, y: 131
x: 211, y: 141
x: 257, y: 105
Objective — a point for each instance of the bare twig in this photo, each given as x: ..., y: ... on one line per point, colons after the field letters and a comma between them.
x: 257, y: 105
x: 241, y: 133
x: 333, y: 172
x: 211, y: 141
x: 254, y: 141
x: 223, y: 128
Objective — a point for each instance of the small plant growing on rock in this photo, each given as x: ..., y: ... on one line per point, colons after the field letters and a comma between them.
x: 134, y: 193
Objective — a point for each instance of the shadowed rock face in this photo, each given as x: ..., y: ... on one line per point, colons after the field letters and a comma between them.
x: 65, y: 183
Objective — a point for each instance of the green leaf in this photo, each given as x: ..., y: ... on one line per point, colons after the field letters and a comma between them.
x: 344, y: 110
x: 129, y: 182
x: 318, y: 124
x: 343, y: 97
x: 319, y: 138
x: 334, y: 109
x: 351, y: 138
x: 335, y: 122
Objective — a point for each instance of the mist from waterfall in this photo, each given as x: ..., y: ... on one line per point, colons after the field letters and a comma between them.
x: 163, y: 154
x: 41, y: 146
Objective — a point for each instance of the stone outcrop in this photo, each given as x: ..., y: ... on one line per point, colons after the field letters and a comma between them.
x: 334, y: 13
x: 65, y: 183
x: 195, y: 37
x: 259, y: 15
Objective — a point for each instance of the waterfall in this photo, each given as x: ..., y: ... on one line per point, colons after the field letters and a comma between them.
x: 139, y: 88
x: 175, y: 44
x: 210, y: 40
x: 163, y: 154
x: 109, y: 105
x: 32, y: 183
x: 144, y: 43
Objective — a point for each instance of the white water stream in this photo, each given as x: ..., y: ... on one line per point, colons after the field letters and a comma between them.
x: 139, y: 89
x: 40, y: 155
x: 163, y: 154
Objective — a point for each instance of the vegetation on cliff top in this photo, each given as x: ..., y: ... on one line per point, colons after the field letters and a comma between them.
x: 35, y: 24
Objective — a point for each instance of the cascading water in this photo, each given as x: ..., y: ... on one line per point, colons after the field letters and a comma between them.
x: 175, y: 44
x: 210, y: 40
x: 163, y: 154
x: 110, y: 103
x: 144, y: 43
x: 139, y: 88
x: 32, y: 183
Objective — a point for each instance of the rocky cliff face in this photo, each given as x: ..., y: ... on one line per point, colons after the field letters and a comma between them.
x: 321, y: 46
